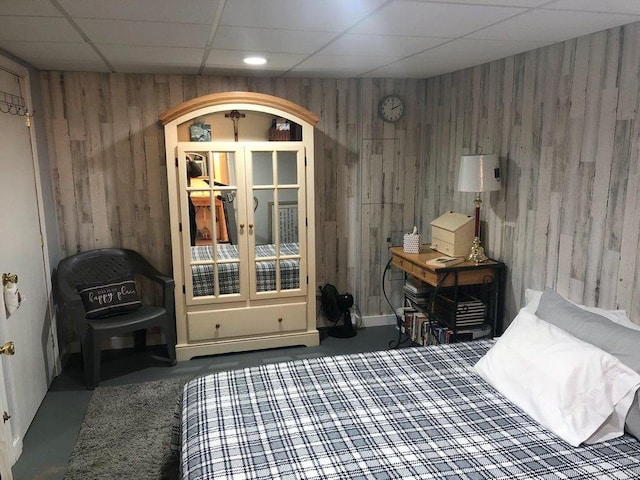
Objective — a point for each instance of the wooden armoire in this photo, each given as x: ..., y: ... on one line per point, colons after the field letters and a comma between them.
x: 241, y: 201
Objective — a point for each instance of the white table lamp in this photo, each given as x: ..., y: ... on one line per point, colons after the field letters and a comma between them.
x: 478, y: 173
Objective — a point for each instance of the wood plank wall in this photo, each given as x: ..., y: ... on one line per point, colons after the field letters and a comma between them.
x: 107, y: 153
x: 565, y: 120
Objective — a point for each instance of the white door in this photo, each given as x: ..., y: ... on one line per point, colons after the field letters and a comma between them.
x: 5, y: 426
x: 28, y: 374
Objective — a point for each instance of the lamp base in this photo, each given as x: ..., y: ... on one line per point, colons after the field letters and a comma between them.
x: 476, y: 253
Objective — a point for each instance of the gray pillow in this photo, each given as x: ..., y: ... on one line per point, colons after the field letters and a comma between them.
x: 619, y: 341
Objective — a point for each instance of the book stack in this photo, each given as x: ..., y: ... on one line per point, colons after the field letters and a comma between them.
x: 446, y: 335
x: 416, y: 291
x: 468, y: 312
x: 415, y: 326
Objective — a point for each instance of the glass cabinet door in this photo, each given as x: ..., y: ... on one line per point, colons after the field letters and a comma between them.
x: 277, y: 240
x: 212, y: 206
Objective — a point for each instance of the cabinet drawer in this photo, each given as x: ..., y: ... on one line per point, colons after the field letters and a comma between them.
x: 425, y: 275
x: 239, y: 322
x: 443, y: 247
x: 401, y: 263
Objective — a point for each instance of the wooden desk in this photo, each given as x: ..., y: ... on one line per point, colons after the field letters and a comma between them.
x: 465, y: 273
x: 201, y: 199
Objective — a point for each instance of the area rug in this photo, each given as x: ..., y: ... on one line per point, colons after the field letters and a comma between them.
x: 126, y: 433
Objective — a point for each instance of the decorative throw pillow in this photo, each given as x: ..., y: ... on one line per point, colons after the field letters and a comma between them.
x: 114, y: 297
x: 619, y: 341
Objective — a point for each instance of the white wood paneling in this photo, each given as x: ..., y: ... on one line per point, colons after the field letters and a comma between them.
x: 106, y: 149
x: 564, y: 121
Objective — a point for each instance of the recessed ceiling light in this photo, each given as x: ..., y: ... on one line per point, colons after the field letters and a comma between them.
x: 255, y: 60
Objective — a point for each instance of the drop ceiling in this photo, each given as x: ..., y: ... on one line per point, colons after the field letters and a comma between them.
x: 299, y: 38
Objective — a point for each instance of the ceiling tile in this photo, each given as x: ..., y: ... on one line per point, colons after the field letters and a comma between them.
x: 308, y: 15
x: 552, y: 25
x: 151, y: 55
x: 57, y: 56
x: 347, y: 65
x: 38, y: 29
x: 37, y: 8
x: 432, y: 19
x: 410, y: 38
x: 192, y: 11
x: 606, y: 6
x: 499, y: 3
x: 455, y: 55
x: 145, y: 33
x: 265, y: 40
x: 234, y: 59
x: 380, y: 45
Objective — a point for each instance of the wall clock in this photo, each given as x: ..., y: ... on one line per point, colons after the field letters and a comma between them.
x: 391, y: 108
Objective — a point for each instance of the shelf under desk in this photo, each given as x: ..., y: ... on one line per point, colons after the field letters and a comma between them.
x: 465, y: 273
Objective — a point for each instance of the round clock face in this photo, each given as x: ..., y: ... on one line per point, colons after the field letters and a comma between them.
x: 391, y: 108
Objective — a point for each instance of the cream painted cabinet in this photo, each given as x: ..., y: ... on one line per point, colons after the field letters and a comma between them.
x: 242, y: 234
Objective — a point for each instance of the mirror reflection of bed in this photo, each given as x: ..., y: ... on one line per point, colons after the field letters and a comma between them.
x: 274, y: 201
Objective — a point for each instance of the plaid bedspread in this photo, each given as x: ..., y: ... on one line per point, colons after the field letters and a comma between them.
x: 228, y: 277
x: 409, y: 413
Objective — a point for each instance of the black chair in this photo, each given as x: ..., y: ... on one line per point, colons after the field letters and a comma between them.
x: 99, y: 267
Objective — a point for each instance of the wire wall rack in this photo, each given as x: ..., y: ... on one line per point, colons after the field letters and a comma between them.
x: 13, y: 104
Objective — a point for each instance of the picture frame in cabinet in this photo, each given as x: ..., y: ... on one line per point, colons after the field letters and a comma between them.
x: 200, y: 132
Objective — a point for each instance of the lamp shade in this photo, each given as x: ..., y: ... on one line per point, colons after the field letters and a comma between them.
x: 479, y: 173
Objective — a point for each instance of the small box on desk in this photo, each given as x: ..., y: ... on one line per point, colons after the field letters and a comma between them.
x: 452, y: 234
x: 411, y: 243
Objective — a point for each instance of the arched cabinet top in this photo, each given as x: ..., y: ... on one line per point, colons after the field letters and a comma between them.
x: 197, y: 105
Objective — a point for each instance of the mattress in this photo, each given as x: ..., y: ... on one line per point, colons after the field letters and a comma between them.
x: 407, y: 413
x: 228, y: 273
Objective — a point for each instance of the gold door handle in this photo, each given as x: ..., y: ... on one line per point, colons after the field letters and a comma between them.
x: 8, y: 348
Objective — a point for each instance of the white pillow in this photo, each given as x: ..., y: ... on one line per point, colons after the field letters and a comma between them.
x: 532, y: 299
x: 577, y: 391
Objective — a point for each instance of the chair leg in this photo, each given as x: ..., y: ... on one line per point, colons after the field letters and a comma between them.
x: 170, y: 337
x: 91, y: 357
x: 140, y: 340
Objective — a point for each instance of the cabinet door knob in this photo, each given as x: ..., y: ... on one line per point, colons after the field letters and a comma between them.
x: 241, y: 225
x: 217, y: 325
x: 251, y: 225
x: 279, y: 320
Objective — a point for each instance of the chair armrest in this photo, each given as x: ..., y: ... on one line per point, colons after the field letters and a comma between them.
x: 142, y: 265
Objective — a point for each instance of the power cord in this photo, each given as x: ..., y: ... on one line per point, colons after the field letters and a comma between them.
x: 397, y: 343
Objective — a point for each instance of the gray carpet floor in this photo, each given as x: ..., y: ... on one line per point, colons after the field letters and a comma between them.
x: 126, y: 433
x: 53, y: 435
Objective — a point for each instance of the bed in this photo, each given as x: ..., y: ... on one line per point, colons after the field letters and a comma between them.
x: 229, y: 279
x: 420, y: 412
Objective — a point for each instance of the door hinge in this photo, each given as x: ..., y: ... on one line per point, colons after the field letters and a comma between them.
x: 184, y: 289
x: 307, y: 279
x: 176, y: 163
x: 306, y: 222
x: 180, y: 227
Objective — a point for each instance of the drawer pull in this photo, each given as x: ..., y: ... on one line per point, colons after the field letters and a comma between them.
x: 280, y: 320
x: 217, y: 325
